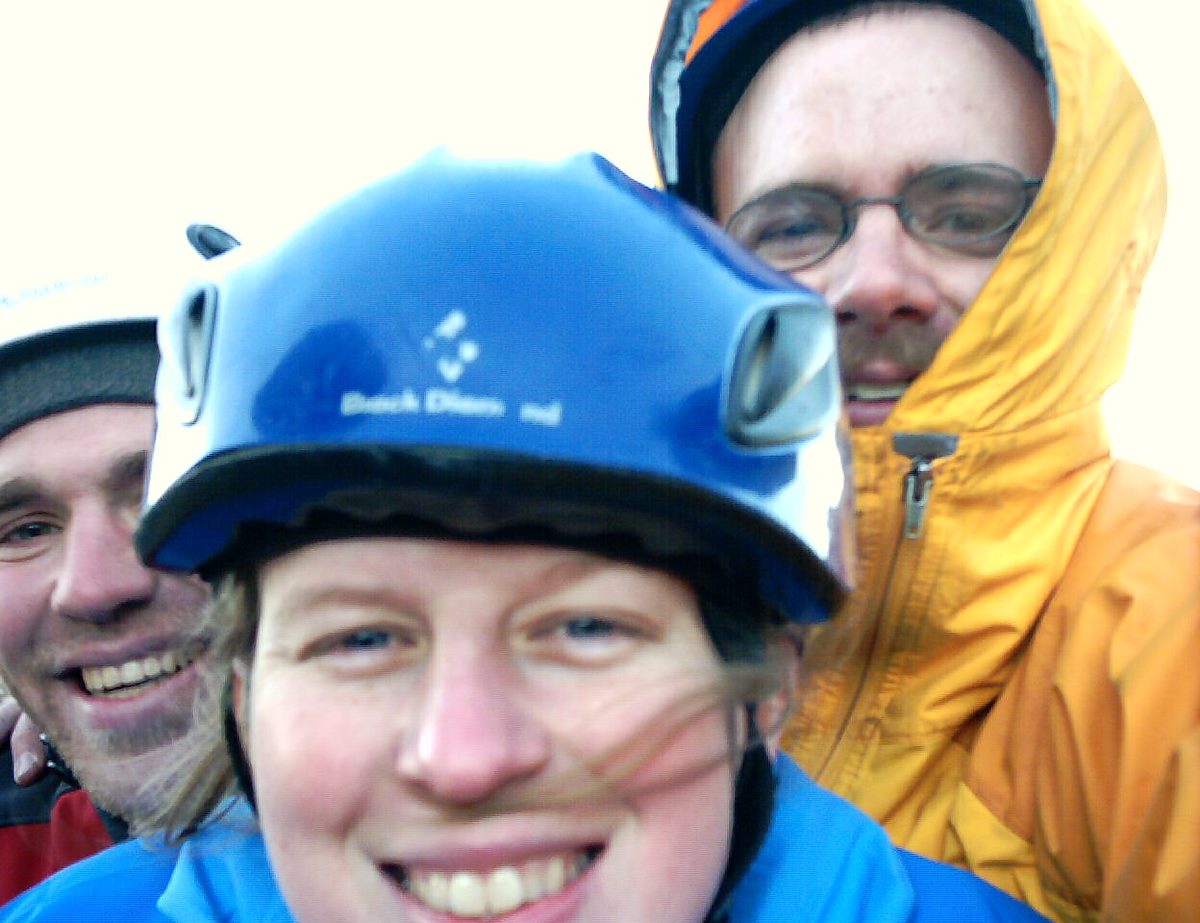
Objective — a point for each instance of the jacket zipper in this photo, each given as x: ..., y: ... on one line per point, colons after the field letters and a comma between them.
x: 922, y: 450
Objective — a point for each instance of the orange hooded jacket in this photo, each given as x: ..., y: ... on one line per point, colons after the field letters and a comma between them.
x: 1014, y: 685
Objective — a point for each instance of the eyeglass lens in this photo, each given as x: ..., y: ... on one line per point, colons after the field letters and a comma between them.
x: 969, y: 208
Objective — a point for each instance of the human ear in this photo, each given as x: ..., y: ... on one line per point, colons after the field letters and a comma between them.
x: 772, y: 710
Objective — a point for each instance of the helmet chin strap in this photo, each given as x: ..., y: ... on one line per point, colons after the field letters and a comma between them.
x: 233, y: 744
x: 753, y: 804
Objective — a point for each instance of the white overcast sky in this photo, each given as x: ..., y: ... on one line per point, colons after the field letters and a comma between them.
x: 123, y: 121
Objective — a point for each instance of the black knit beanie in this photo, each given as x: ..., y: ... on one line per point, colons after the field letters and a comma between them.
x: 48, y: 373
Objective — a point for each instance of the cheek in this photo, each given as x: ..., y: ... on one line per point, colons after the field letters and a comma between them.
x: 652, y: 723
x: 23, y: 613
x: 815, y: 277
x: 672, y: 856
x: 184, y: 595
x: 961, y: 285
x: 315, y: 759
x: 310, y: 764
x: 697, y: 767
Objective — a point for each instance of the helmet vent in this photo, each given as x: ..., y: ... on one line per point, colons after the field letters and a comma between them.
x: 765, y: 378
x: 209, y: 240
x: 189, y: 335
x: 784, y: 387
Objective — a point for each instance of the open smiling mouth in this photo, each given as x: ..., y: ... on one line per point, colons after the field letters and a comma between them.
x: 480, y: 895
x: 125, y: 680
x: 867, y: 391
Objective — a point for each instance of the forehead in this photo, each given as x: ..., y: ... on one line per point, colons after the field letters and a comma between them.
x: 430, y: 569
x: 74, y: 448
x: 879, y: 96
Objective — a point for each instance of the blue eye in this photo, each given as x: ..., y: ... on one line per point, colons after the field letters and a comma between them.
x: 589, y: 626
x: 25, y: 539
x: 804, y: 226
x: 28, y: 531
x: 362, y: 648
x: 365, y: 639
x: 583, y: 636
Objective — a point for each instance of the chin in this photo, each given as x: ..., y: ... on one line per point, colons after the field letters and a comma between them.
x: 133, y: 785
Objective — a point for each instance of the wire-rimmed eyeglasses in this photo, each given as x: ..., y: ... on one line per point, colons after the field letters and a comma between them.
x: 970, y: 208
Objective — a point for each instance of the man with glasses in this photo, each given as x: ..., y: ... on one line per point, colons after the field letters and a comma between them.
x: 976, y: 187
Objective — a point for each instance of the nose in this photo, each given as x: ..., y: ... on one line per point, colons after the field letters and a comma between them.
x: 101, y: 576
x: 879, y: 276
x: 471, y: 734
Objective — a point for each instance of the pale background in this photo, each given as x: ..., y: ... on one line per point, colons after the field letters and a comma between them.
x: 120, y: 122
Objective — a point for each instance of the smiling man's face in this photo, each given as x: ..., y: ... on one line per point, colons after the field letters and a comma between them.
x: 98, y: 649
x: 858, y: 108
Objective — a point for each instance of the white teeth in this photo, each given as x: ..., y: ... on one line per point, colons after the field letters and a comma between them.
x: 864, y: 391
x: 504, y: 890
x: 437, y: 892
x: 556, y: 875
x: 130, y: 678
x: 468, y: 895
x: 476, y: 895
x: 534, y: 886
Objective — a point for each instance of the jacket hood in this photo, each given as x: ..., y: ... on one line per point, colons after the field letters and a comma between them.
x: 1049, y: 332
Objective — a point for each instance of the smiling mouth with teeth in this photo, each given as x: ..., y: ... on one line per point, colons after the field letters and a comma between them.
x: 866, y: 391
x: 480, y: 895
x: 123, y: 681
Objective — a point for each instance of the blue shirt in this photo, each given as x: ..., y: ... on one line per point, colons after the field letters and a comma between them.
x: 825, y: 860
x: 220, y: 875
x: 822, y: 860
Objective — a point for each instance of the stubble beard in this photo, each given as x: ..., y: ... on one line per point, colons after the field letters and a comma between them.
x: 121, y: 770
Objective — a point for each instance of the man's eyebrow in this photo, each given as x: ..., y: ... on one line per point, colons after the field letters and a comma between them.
x: 126, y: 470
x: 19, y: 491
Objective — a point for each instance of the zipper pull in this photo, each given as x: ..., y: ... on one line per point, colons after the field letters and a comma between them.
x: 917, y: 486
x: 922, y: 448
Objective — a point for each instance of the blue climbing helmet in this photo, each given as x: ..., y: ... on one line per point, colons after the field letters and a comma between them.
x: 481, y: 347
x: 710, y: 50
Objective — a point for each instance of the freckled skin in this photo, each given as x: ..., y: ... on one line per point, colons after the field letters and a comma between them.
x: 861, y: 106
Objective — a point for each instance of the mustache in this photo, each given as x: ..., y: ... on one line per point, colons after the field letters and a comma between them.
x: 910, y: 346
